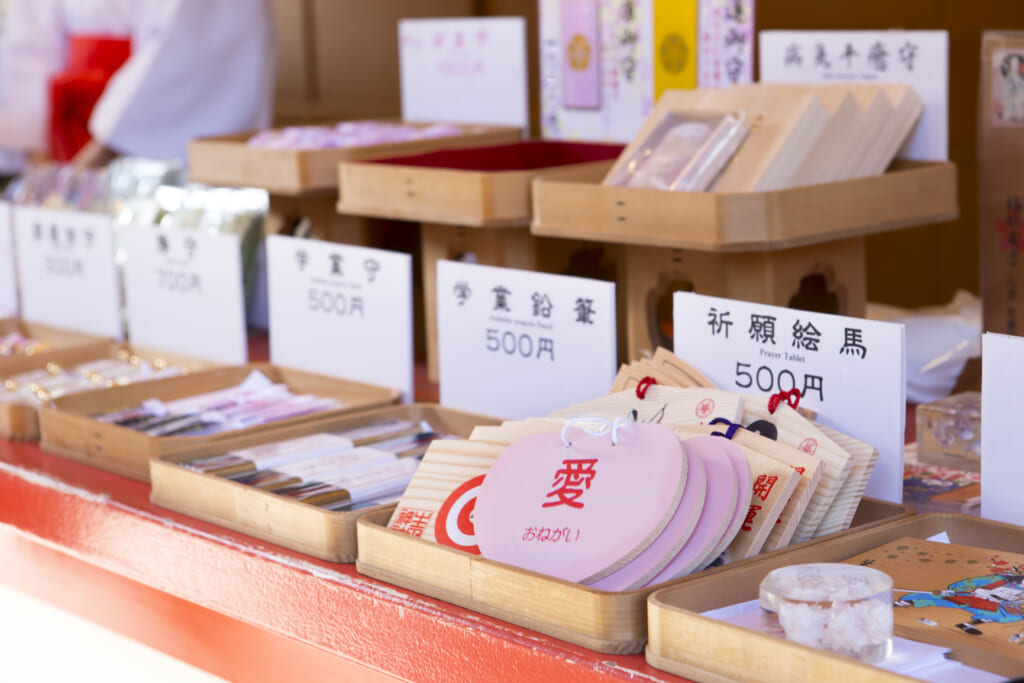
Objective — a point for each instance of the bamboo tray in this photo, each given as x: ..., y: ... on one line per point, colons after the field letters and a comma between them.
x: 69, y: 429
x: 20, y: 421
x: 228, y: 160
x: 687, y: 644
x: 611, y: 622
x: 574, y: 204
x: 472, y: 187
x: 328, y: 535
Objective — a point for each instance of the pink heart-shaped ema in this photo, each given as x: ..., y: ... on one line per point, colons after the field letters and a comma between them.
x: 580, y: 512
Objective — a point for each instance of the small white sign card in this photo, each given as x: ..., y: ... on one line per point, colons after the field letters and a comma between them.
x: 470, y: 70
x: 852, y: 371
x: 341, y: 310
x: 185, y: 293
x: 68, y: 275
x: 916, y: 58
x: 8, y: 272
x: 1002, y: 394
x: 516, y: 344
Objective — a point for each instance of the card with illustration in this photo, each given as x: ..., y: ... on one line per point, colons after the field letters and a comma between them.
x: 968, y: 599
x: 1008, y: 87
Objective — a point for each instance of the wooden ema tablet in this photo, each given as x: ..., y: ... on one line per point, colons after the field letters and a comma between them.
x: 662, y: 405
x: 785, y: 128
x: 696, y: 496
x: 907, y: 109
x: 556, y: 507
x: 840, y: 514
x: 876, y: 113
x: 772, y: 486
x: 835, y: 144
x: 809, y: 468
x: 441, y: 495
x: 796, y: 431
x: 718, y: 525
x: 629, y: 376
x: 682, y: 373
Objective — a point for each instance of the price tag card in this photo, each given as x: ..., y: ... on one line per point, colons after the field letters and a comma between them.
x: 851, y: 371
x: 517, y: 344
x: 184, y: 293
x: 68, y: 275
x: 470, y: 70
x: 916, y: 58
x: 1002, y: 390
x: 341, y: 310
x: 8, y: 272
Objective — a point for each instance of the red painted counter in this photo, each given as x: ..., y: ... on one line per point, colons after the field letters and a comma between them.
x: 92, y: 543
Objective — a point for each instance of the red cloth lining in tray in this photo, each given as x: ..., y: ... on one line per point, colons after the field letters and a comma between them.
x: 518, y: 156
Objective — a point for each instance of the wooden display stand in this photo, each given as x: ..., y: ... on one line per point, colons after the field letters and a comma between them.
x: 475, y: 204
x: 304, y: 183
x: 801, y: 247
x: 614, y: 622
x: 686, y: 643
x: 329, y: 535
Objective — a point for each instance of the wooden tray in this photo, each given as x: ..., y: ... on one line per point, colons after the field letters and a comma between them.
x: 611, y: 622
x: 68, y: 428
x: 321, y: 533
x: 230, y: 161
x: 473, y: 187
x: 574, y: 204
x: 685, y: 643
x: 20, y: 422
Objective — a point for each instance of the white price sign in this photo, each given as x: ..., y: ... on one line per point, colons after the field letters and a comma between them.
x: 341, y: 310
x: 185, y: 293
x: 8, y: 272
x: 68, y: 275
x: 468, y: 70
x: 916, y: 58
x: 852, y: 371
x: 516, y: 344
x: 1002, y: 390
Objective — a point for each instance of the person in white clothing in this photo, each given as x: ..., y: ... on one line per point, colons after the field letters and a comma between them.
x: 190, y: 68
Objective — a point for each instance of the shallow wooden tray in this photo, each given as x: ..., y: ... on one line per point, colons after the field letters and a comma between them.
x: 69, y: 429
x: 473, y: 187
x: 685, y: 643
x: 228, y: 160
x: 329, y: 535
x: 574, y: 204
x: 611, y: 622
x: 20, y: 422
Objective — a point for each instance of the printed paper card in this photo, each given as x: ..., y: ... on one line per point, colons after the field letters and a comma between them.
x: 916, y: 58
x: 1002, y: 390
x: 470, y: 70
x: 517, y: 344
x: 341, y: 310
x: 725, y: 47
x: 615, y: 57
x: 850, y: 370
x: 68, y: 275
x: 185, y: 293
x: 8, y: 273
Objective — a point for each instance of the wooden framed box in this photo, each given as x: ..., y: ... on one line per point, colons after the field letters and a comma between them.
x: 686, y: 643
x: 612, y: 622
x: 801, y: 247
x: 57, y: 338
x: 329, y: 535
x: 230, y: 161
x: 20, y: 421
x: 471, y: 201
x: 68, y: 427
x: 482, y: 187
